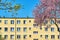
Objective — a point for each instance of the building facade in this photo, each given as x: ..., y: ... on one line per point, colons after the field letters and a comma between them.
x: 26, y: 29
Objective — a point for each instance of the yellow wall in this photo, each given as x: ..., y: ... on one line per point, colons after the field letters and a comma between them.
x: 28, y: 32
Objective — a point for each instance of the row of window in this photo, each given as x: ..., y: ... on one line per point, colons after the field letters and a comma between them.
x: 18, y: 29
x: 12, y: 21
x: 25, y: 29
x: 52, y: 36
x: 52, y: 21
x: 25, y: 36
x: 46, y: 29
x: 18, y: 36
x: 24, y: 21
x: 46, y: 37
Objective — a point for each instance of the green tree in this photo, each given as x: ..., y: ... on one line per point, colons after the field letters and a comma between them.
x: 1, y: 38
x: 7, y: 5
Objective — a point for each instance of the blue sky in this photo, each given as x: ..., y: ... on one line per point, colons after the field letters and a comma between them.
x: 26, y: 10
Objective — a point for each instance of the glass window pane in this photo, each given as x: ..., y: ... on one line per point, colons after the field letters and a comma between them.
x: 35, y: 32
x: 24, y: 22
x: 0, y: 28
x: 25, y: 36
x: 6, y: 22
x: 5, y: 29
x: 40, y: 35
x: 12, y: 29
x: 29, y: 28
x: 29, y: 35
x: 58, y: 36
x: 46, y: 29
x: 52, y: 29
x: 12, y: 36
x: 52, y: 22
x: 5, y: 36
x: 52, y: 36
x: 29, y: 20
x: 18, y: 29
x: 18, y: 21
x: 12, y: 21
x: 34, y: 25
x: 18, y: 36
x: 46, y: 36
x: 24, y: 29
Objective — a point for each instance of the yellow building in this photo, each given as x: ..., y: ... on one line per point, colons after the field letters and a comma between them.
x: 26, y: 29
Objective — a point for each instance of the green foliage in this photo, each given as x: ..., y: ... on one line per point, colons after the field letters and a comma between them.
x: 8, y: 6
x: 1, y: 38
x: 0, y: 0
x: 17, y: 7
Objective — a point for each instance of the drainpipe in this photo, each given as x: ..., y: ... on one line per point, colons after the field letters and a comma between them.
x: 15, y: 28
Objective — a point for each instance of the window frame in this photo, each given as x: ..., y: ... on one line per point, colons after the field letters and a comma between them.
x: 12, y: 28
x: 5, y: 36
x: 24, y: 36
x: 46, y: 36
x: 5, y: 21
x: 12, y: 21
x: 6, y: 29
x: 24, y: 21
x: 18, y: 29
x: 24, y: 29
x: 52, y: 29
x: 52, y: 36
x: 18, y: 36
x: 18, y: 21
x: 35, y: 32
x: 11, y: 36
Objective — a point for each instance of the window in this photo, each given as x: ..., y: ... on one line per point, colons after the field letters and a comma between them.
x: 24, y: 22
x: 18, y: 21
x: 40, y: 35
x: 12, y: 36
x: 52, y: 36
x: 40, y: 28
x: 46, y: 36
x: 52, y: 29
x: 12, y: 21
x: 12, y: 29
x: 29, y: 28
x: 52, y: 21
x: 45, y: 21
x: 58, y: 36
x: 35, y: 25
x: 46, y: 29
x: 0, y: 28
x: 18, y: 36
x: 29, y: 20
x: 5, y: 36
x: 58, y: 21
x: 0, y: 21
x: 18, y: 29
x: 29, y: 35
x: 25, y: 36
x: 6, y: 29
x: 59, y: 29
x: 35, y: 39
x: 6, y: 22
x: 24, y: 29
x: 35, y: 32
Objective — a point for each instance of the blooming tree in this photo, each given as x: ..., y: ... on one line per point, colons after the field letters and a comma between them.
x: 48, y: 9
